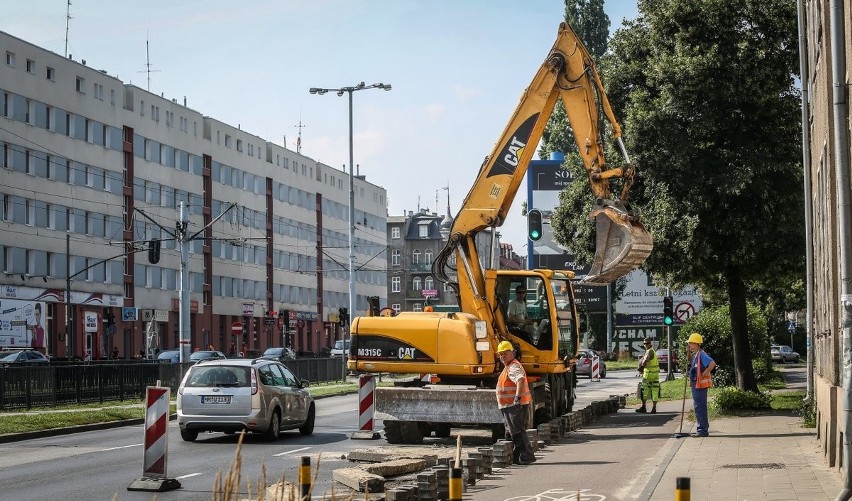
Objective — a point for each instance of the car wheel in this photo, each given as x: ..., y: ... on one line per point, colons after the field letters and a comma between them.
x: 603, y: 371
x: 188, y: 435
x: 796, y: 360
x: 308, y: 427
x: 274, y: 429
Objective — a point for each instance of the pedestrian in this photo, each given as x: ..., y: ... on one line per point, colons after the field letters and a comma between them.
x: 514, y: 400
x: 700, y: 379
x: 649, y: 366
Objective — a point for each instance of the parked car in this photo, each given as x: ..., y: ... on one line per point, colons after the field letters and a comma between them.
x: 23, y: 357
x: 172, y: 356
x: 205, y: 355
x: 338, y: 349
x: 584, y: 363
x: 255, y: 395
x: 280, y: 354
x: 663, y: 358
x: 783, y: 354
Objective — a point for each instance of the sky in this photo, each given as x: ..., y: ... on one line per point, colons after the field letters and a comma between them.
x: 457, y: 69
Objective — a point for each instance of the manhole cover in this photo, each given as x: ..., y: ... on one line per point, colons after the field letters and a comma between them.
x: 755, y: 466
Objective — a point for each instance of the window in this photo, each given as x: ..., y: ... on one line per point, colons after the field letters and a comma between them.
x: 10, y: 59
x: 415, y: 257
x: 81, y: 85
x: 423, y: 230
x: 50, y: 73
x: 417, y: 307
x: 395, y: 284
x: 428, y: 283
x: 30, y: 66
x: 239, y: 145
x: 395, y: 254
x: 227, y: 141
x: 395, y: 232
x: 396, y: 307
x: 416, y: 284
x: 427, y: 257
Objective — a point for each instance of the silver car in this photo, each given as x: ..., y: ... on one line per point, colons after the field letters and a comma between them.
x: 256, y: 395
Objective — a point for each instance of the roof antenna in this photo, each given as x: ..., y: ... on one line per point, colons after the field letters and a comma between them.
x: 67, y: 22
x: 299, y: 138
x: 147, y: 62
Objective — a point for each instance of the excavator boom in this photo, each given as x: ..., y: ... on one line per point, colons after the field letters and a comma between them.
x: 568, y: 73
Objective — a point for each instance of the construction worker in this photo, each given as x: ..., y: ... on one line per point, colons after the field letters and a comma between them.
x: 701, y: 380
x: 514, y: 399
x: 649, y: 366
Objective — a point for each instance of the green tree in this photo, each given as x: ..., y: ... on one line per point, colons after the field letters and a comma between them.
x: 706, y: 93
x: 590, y: 22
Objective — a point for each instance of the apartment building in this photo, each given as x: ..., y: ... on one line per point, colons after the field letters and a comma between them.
x: 94, y: 169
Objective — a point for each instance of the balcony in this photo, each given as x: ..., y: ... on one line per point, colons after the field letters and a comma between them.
x: 421, y: 268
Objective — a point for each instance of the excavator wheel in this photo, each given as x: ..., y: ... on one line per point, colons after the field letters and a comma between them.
x: 393, y: 432
x: 545, y: 413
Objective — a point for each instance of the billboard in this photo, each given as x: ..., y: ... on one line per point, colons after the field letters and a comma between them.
x: 641, y: 304
x: 22, y: 324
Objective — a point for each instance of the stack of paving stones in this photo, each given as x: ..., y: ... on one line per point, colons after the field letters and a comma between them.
x: 469, y: 466
x: 502, y: 453
x: 487, y: 459
x: 401, y: 493
x: 442, y: 480
x: 533, y: 436
x: 427, y: 486
x: 544, y: 431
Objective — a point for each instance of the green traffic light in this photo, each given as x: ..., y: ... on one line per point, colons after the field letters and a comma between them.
x: 668, y: 320
x: 534, y: 235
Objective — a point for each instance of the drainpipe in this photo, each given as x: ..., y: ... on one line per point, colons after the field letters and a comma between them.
x: 804, y: 71
x: 841, y: 150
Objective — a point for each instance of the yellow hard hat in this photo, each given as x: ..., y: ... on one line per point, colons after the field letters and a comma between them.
x: 504, y: 346
x: 695, y: 338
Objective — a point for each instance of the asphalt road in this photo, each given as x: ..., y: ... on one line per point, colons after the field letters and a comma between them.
x: 101, y: 464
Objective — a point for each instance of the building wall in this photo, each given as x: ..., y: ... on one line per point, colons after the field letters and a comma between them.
x: 826, y: 345
x: 166, y: 149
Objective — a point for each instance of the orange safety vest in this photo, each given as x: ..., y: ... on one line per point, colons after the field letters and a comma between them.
x: 702, y: 382
x: 506, y: 388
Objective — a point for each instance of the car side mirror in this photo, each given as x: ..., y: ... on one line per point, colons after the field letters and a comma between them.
x: 304, y: 383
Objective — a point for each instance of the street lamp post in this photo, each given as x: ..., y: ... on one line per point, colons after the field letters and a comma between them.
x: 340, y: 91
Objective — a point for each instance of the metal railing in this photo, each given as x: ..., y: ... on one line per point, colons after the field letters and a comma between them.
x: 28, y: 386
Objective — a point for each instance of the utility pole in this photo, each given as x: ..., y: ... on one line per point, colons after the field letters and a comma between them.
x: 183, y: 288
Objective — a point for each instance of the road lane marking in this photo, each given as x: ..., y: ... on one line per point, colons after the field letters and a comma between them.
x: 291, y: 452
x: 121, y: 447
x: 187, y: 476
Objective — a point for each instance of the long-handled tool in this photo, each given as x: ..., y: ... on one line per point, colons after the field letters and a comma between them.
x: 685, y: 375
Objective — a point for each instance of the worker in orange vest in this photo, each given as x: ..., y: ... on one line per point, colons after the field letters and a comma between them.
x: 514, y: 399
x: 701, y: 380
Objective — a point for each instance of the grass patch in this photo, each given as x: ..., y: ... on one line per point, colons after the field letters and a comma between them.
x: 26, y: 422
x: 622, y: 364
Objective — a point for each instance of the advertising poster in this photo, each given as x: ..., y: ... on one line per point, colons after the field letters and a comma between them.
x: 22, y: 324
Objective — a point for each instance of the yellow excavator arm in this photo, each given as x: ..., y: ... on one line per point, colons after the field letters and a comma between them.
x: 622, y: 242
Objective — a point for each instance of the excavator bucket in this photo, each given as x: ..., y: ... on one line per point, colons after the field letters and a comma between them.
x: 622, y: 245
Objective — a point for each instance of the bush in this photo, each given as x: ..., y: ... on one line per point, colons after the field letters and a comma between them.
x: 714, y: 324
x: 762, y: 369
x: 734, y: 399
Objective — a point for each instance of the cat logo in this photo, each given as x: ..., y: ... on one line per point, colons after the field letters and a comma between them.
x: 406, y: 353
x: 515, y: 150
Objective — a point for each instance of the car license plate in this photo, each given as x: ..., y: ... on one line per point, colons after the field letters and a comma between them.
x: 215, y: 399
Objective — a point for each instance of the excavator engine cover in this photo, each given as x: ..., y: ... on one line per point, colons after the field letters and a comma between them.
x: 622, y: 244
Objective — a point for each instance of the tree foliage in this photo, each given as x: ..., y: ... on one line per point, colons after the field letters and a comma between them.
x: 705, y: 92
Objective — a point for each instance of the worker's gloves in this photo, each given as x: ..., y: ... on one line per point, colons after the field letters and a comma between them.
x: 517, y: 400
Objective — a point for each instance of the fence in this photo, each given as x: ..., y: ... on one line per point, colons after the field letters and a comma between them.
x: 25, y: 387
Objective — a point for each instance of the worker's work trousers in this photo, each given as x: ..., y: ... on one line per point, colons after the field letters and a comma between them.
x: 515, y: 417
x: 699, y: 404
x: 650, y: 385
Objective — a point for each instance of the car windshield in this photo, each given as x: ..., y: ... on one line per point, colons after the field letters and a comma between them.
x: 167, y: 355
x: 273, y: 352
x: 338, y: 345
x: 204, y: 355
x: 8, y: 356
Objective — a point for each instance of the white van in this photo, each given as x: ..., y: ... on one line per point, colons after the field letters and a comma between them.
x: 338, y: 349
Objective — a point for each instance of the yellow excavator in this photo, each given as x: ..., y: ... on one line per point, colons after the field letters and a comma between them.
x: 458, y: 349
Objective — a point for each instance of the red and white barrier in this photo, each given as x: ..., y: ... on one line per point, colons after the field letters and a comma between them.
x: 366, y: 409
x: 156, y: 446
x: 596, y: 368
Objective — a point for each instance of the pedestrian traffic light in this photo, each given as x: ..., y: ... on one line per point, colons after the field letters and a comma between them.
x: 154, y: 251
x: 344, y: 316
x: 668, y: 310
x: 534, y: 224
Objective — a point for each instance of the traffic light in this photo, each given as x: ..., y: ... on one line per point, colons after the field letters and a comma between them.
x: 154, y: 251
x: 344, y: 316
x: 668, y: 310
x: 534, y: 224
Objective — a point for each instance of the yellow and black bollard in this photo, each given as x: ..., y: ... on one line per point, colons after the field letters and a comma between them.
x: 682, y: 489
x: 456, y: 486
x: 305, y: 479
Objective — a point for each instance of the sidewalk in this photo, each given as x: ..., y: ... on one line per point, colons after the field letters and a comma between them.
x: 769, y: 457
